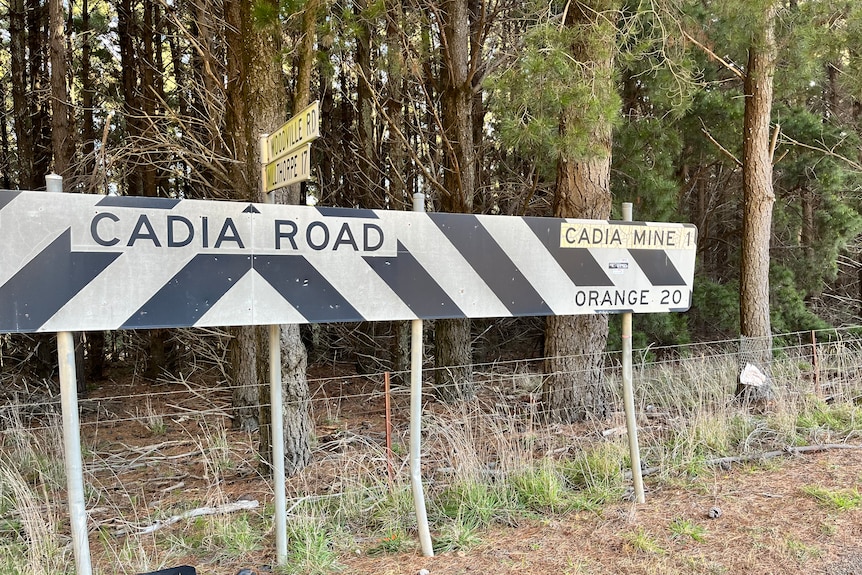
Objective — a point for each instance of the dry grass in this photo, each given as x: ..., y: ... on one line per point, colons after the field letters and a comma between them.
x: 505, y: 491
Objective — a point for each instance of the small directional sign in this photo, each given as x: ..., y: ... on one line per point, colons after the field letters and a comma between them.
x: 289, y: 169
x: 288, y: 150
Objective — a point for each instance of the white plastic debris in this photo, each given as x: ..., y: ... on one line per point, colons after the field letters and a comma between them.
x: 752, y: 376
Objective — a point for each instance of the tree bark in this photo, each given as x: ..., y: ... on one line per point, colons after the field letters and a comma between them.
x: 453, y: 353
x: 574, y: 387
x: 241, y: 143
x: 365, y: 195
x: 298, y: 426
x: 758, y: 199
x: 397, y: 193
x: 397, y: 198
x: 296, y: 398
x: 88, y: 125
x: 5, y: 152
x: 127, y: 31
x: 61, y: 131
x: 21, y: 110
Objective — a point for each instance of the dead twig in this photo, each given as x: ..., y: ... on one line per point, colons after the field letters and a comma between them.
x: 763, y: 456
x: 191, y: 514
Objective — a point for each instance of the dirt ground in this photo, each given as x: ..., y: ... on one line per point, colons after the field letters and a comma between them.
x: 767, y: 524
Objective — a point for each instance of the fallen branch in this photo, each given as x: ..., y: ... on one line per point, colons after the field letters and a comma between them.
x: 762, y: 456
x: 192, y: 513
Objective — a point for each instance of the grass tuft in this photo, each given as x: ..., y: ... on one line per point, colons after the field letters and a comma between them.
x: 836, y: 499
x: 687, y: 529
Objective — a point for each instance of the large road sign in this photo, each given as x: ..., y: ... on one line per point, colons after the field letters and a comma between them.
x: 75, y: 262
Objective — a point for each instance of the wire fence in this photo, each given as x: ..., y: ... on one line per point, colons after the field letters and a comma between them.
x: 177, y: 426
x: 827, y: 364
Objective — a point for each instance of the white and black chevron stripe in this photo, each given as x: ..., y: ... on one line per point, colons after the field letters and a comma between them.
x: 75, y: 262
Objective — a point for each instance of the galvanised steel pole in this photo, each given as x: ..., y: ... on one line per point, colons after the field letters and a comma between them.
x: 628, y: 393
x: 72, y: 434
x: 276, y: 407
x: 416, y: 346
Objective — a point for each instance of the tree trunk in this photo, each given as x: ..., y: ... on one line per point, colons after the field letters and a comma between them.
x: 21, y: 103
x: 453, y: 353
x: 241, y: 144
x: 61, y: 130
x: 245, y: 393
x: 574, y: 386
x: 127, y: 26
x: 5, y: 152
x: 398, y: 197
x: 365, y: 195
x: 298, y: 426
x: 296, y: 397
x: 88, y: 126
x: 148, y: 96
x: 255, y: 105
x: 758, y: 199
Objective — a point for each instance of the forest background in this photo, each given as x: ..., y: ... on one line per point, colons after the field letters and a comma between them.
x: 740, y: 117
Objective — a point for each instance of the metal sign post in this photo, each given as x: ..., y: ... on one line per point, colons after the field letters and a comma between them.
x: 276, y: 409
x: 416, y: 347
x: 628, y: 393
x: 72, y: 434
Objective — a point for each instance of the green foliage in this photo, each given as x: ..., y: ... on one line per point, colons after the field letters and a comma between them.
x: 265, y: 13
x: 455, y: 536
x: 835, y: 499
x: 542, y: 489
x: 651, y: 329
x: 309, y: 547
x: 476, y: 504
x: 394, y: 542
x: 643, y: 542
x: 598, y: 472
x: 687, y: 529
x: 788, y: 312
x: 842, y: 418
x: 556, y: 72
x: 715, y: 306
x: 644, y: 162
x: 237, y: 536
x: 801, y: 551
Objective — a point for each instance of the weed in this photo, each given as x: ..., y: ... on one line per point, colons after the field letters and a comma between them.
x: 395, y: 542
x: 475, y: 504
x: 153, y: 420
x: 643, y: 542
x: 801, y: 551
x: 837, y: 499
x: 597, y: 471
x: 704, y: 565
x: 841, y: 418
x: 38, y: 547
x: 455, y: 536
x: 686, y: 528
x: 235, y: 536
x: 542, y: 489
x: 309, y: 548
x: 578, y: 567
